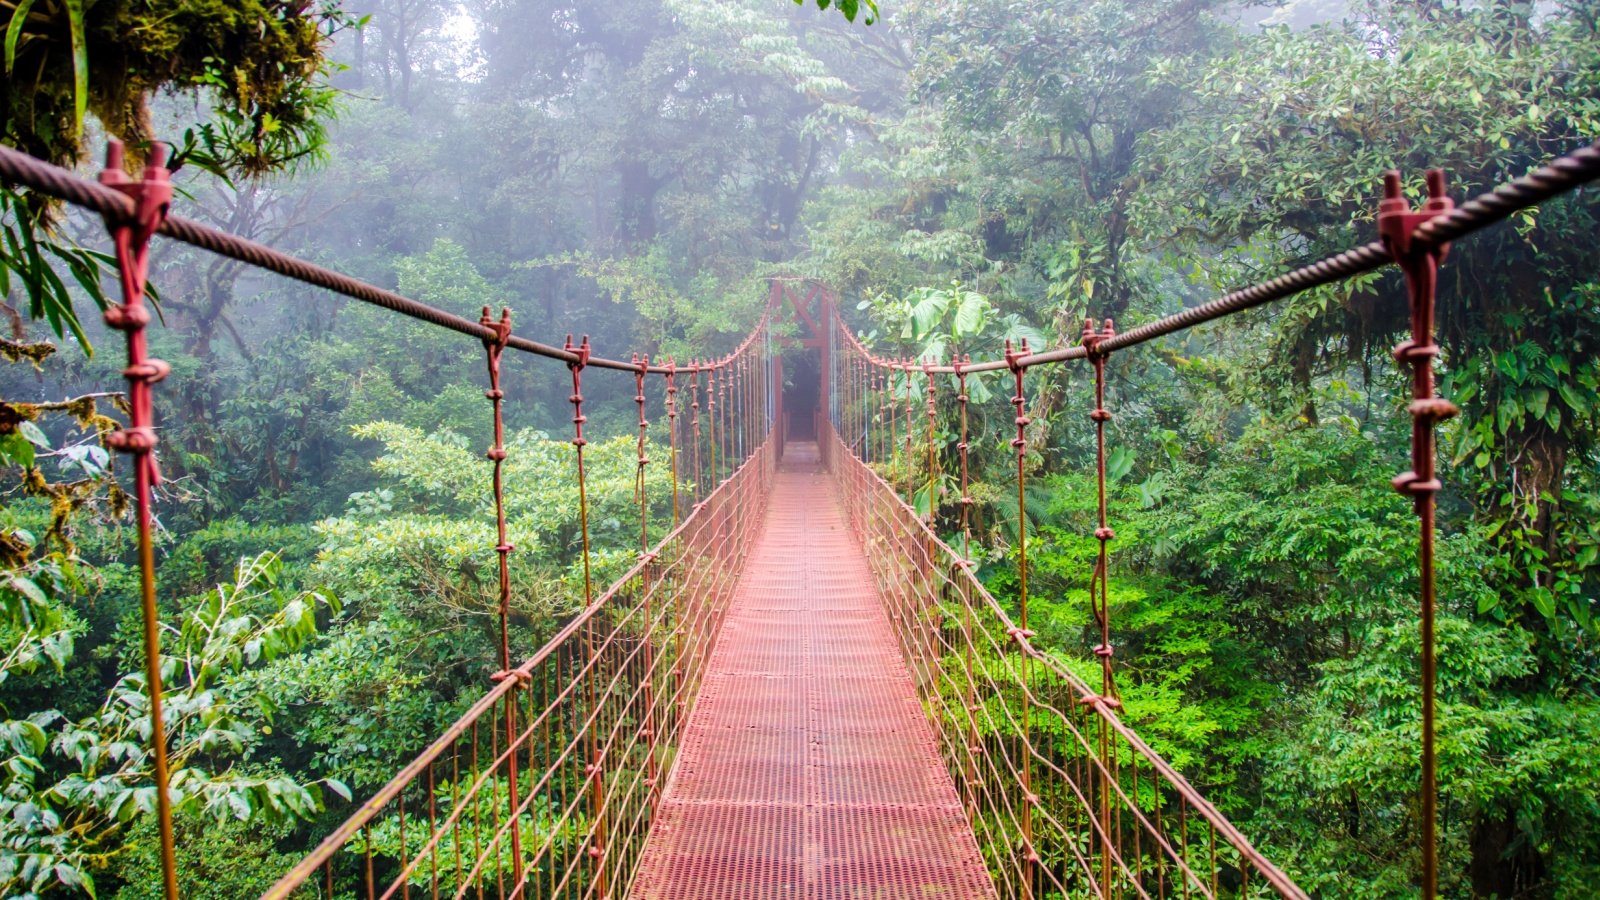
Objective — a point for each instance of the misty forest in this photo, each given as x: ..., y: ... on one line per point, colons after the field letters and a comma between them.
x: 961, y: 173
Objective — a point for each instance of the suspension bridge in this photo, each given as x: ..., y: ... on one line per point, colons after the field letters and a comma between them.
x: 802, y: 690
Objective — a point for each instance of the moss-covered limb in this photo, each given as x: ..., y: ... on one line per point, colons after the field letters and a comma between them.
x: 84, y: 409
x: 35, y: 352
x: 258, y: 60
x: 68, y: 498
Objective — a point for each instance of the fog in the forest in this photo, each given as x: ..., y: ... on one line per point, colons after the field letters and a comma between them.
x: 960, y: 174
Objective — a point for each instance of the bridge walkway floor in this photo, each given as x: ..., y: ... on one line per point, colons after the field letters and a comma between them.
x: 808, y: 769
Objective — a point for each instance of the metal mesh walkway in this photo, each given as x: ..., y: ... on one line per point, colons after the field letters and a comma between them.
x: 808, y: 768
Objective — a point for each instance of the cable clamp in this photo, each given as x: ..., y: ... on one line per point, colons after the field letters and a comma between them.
x: 151, y: 194
x: 581, y: 351
x: 1398, y: 222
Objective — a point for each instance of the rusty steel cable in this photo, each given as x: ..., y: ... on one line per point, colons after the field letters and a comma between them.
x: 1545, y: 182
x: 20, y: 169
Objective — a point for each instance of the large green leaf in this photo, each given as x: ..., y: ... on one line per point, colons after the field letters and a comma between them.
x: 971, y: 313
x: 80, y: 62
x: 927, y: 312
x: 14, y: 31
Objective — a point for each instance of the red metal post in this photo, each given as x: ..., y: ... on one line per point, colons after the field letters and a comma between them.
x: 497, y: 455
x: 152, y: 197
x: 694, y: 417
x: 933, y: 452
x: 1099, y: 593
x: 910, y: 457
x: 1099, y: 588
x: 594, y: 772
x: 971, y: 693
x: 647, y: 587
x: 1420, y: 264
x: 672, y: 435
x: 1030, y: 856
x: 825, y: 357
x: 711, y: 418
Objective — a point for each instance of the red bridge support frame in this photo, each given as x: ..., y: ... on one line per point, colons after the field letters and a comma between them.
x: 585, y: 686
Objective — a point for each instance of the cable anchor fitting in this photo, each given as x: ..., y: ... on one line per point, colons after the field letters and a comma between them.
x: 1419, y: 262
x: 581, y: 353
x: 131, y: 234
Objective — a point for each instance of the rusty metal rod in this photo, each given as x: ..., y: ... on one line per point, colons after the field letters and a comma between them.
x: 20, y: 169
x: 1544, y: 183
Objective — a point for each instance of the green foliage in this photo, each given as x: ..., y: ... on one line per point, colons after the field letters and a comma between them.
x: 850, y: 8
x: 217, y: 860
x: 257, y: 60
x: 69, y: 790
x: 30, y: 258
x: 1340, y: 795
x: 414, y: 560
x: 558, y: 832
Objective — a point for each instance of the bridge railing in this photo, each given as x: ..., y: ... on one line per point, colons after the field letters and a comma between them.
x: 547, y: 786
x: 1064, y: 799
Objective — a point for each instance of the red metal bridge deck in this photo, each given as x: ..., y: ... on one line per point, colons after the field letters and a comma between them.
x: 808, y: 768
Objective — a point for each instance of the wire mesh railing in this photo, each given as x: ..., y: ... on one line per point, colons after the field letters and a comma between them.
x: 1066, y: 801
x: 547, y: 786
x: 1065, y: 798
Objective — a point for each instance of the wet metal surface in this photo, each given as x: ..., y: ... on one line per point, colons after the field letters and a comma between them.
x: 808, y: 769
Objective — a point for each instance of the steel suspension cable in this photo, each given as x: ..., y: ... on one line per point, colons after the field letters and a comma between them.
x: 20, y: 169
x: 1544, y: 183
x: 1541, y: 184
